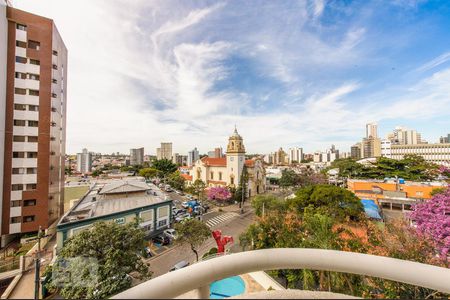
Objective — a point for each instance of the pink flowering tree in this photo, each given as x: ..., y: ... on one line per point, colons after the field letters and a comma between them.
x: 433, y: 220
x: 220, y: 194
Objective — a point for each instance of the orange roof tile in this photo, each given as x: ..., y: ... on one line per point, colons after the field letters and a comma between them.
x: 186, y: 176
x: 215, y: 162
x: 249, y: 162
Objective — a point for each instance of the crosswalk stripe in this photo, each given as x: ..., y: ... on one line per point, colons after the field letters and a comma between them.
x: 221, y: 218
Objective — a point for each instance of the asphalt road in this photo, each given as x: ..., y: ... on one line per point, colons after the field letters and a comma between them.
x: 162, y: 263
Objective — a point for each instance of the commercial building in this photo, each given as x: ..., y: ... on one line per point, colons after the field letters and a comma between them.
x: 393, y: 194
x: 165, y: 151
x: 84, y: 162
x: 136, y: 156
x: 434, y: 153
x: 403, y: 136
x: 33, y: 85
x: 295, y: 155
x: 120, y: 201
x: 370, y: 147
x: 192, y: 157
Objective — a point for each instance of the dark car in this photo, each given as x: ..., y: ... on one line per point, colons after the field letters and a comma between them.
x: 161, y: 239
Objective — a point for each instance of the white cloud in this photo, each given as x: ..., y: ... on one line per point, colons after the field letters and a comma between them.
x: 441, y: 59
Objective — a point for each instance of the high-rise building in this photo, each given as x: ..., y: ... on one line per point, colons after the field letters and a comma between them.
x: 165, y: 151
x: 84, y: 161
x: 371, y: 147
x: 434, y: 153
x: 295, y: 155
x: 444, y: 139
x: 372, y: 130
x: 355, y: 151
x: 192, y: 157
x: 218, y: 152
x: 280, y: 157
x: 136, y: 156
x: 403, y: 136
x: 33, y: 85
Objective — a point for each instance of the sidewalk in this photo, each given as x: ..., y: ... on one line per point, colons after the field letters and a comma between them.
x: 25, y: 287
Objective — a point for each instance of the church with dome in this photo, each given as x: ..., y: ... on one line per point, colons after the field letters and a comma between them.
x: 227, y: 171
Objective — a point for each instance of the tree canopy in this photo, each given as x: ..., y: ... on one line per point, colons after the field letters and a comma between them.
x: 148, y: 173
x: 115, y: 250
x: 411, y: 167
x: 192, y: 232
x: 219, y: 193
x: 176, y: 181
x: 164, y: 166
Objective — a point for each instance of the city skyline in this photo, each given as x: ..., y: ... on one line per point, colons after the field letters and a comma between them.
x: 189, y: 74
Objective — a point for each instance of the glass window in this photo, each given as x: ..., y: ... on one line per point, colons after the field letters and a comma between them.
x: 31, y: 170
x: 16, y: 203
x: 18, y: 171
x: 21, y: 75
x: 32, y: 139
x: 21, y: 27
x: 19, y: 122
x: 20, y: 59
x: 33, y: 76
x: 31, y: 202
x: 15, y: 220
x: 21, y: 44
x: 146, y: 215
x: 31, y: 187
x: 27, y: 219
x: 33, y: 123
x: 19, y: 138
x: 18, y: 154
x: 20, y: 107
x: 33, y: 108
x: 33, y: 92
x: 35, y: 62
x: 55, y: 52
x: 17, y: 187
x: 163, y: 212
x: 34, y: 45
x: 20, y: 91
x: 31, y: 154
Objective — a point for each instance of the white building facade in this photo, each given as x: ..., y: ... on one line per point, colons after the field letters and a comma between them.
x: 84, y: 162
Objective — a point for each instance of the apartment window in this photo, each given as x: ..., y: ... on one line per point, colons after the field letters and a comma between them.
x: 20, y: 107
x: 31, y: 187
x: 31, y: 202
x: 32, y: 139
x: 52, y: 153
x: 19, y: 138
x: 220, y: 175
x: 20, y: 91
x: 17, y: 171
x: 53, y: 124
x: 21, y: 27
x: 35, y: 62
x: 20, y: 59
x: 16, y: 203
x: 27, y: 219
x: 55, y: 67
x: 34, y: 45
x: 33, y: 108
x: 31, y: 170
x: 54, y: 95
x: 33, y: 76
x: 31, y: 154
x: 21, y: 44
x: 17, y: 187
x: 33, y: 92
x: 33, y: 123
x: 15, y: 220
x: 18, y: 154
x: 55, y: 52
x: 54, y: 109
x: 19, y: 122
x: 21, y: 75
x: 212, y: 175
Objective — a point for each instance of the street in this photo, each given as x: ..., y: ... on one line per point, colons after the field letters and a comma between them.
x: 234, y: 226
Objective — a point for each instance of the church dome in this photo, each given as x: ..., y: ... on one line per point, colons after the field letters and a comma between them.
x: 235, y: 143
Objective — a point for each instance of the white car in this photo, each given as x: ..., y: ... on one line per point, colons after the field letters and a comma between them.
x: 184, y: 204
x: 171, y: 233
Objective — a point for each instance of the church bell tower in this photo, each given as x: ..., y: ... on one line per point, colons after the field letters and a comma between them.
x: 235, y: 158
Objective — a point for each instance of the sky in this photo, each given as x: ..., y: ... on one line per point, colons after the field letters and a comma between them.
x: 286, y: 73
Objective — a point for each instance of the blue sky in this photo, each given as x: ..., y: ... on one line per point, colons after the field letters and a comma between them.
x: 287, y: 73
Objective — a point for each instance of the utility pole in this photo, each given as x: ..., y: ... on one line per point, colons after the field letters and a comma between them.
x: 37, y: 263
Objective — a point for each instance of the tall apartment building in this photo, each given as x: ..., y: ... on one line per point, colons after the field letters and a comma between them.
x: 192, y: 157
x: 136, y: 156
x: 165, y: 151
x: 179, y: 159
x: 355, y: 151
x: 403, y: 136
x: 33, y: 84
x: 371, y: 130
x: 295, y: 155
x: 84, y: 162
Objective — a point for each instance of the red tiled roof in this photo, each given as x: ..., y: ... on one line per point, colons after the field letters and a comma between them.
x: 186, y: 176
x: 215, y: 162
x: 249, y: 162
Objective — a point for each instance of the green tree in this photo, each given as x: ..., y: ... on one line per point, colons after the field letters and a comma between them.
x: 193, y: 233
x: 148, y: 173
x: 288, y: 178
x: 329, y: 200
x: 176, y: 181
x: 164, y: 166
x: 116, y: 250
x: 268, y: 202
x: 197, y: 188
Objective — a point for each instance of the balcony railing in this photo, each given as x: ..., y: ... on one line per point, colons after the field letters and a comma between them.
x: 200, y: 275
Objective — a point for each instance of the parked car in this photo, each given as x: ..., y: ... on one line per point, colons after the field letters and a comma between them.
x: 148, y: 252
x: 161, y: 239
x: 179, y: 265
x: 171, y: 233
x: 185, y: 204
x: 178, y: 211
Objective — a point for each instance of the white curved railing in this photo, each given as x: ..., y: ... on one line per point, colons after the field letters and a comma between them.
x: 200, y: 275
